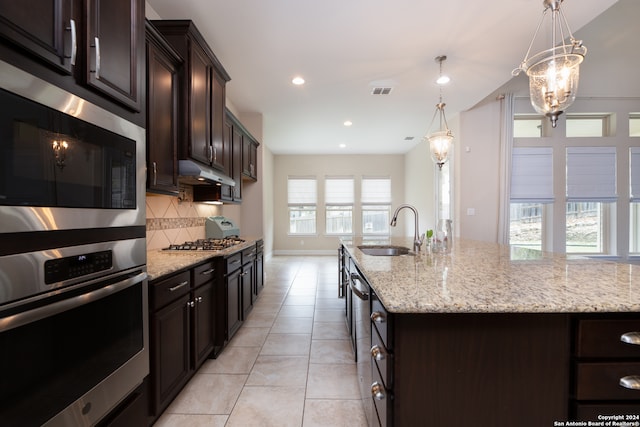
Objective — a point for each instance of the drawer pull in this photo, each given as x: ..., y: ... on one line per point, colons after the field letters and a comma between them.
x: 207, y: 272
x: 235, y: 261
x: 378, y: 353
x: 178, y: 286
x: 377, y: 391
x: 631, y: 382
x: 377, y: 317
x: 631, y: 338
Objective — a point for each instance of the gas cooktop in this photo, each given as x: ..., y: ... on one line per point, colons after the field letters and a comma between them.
x: 206, y: 244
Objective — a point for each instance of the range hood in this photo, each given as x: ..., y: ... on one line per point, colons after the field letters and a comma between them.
x: 190, y: 172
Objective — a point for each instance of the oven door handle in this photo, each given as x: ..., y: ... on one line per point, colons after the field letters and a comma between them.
x: 35, y: 314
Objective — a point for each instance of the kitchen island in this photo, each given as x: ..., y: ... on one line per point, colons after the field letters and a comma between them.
x: 492, y: 335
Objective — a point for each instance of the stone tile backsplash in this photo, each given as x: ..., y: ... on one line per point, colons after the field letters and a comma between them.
x: 175, y: 219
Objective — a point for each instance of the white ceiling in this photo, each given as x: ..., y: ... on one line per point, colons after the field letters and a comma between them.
x: 343, y: 48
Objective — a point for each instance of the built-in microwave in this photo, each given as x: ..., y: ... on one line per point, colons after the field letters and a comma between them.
x: 65, y: 163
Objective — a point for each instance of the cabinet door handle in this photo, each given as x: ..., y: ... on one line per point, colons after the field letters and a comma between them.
x: 199, y: 299
x: 631, y: 382
x: 378, y: 353
x: 74, y: 41
x: 210, y: 151
x: 97, y: 42
x: 377, y: 391
x: 155, y: 173
x: 191, y: 304
x: 207, y: 272
x: 632, y: 338
x: 178, y: 286
x: 378, y: 317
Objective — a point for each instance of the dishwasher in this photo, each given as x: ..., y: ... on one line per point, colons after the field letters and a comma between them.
x: 362, y: 328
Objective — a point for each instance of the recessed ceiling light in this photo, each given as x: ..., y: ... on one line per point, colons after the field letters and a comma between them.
x: 348, y: 123
x: 297, y: 81
x: 342, y: 145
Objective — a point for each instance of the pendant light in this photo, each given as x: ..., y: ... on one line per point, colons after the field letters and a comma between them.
x: 554, y: 73
x: 440, y: 141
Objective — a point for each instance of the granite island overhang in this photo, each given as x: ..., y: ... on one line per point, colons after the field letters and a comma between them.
x: 481, y: 277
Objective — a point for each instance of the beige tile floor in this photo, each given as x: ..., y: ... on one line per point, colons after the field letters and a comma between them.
x: 290, y: 364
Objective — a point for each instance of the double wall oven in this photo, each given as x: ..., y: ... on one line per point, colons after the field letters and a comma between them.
x: 73, y: 283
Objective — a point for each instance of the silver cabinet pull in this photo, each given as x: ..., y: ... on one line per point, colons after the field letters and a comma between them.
x: 632, y: 338
x: 377, y: 317
x: 155, y: 173
x: 74, y: 41
x: 378, y: 353
x: 210, y: 156
x: 631, y: 382
x: 178, y: 286
x: 207, y: 272
x: 199, y: 299
x: 97, y: 41
x: 191, y: 304
x: 377, y: 391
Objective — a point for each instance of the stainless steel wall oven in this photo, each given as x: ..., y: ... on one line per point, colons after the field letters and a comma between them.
x: 73, y: 283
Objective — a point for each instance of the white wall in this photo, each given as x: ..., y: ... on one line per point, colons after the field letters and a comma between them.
x: 332, y: 165
x: 419, y: 175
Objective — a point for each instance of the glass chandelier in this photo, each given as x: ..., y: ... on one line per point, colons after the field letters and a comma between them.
x: 440, y: 141
x: 554, y: 73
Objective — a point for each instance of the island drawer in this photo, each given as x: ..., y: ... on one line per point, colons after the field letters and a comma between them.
x: 233, y: 262
x: 381, y: 357
x: 380, y: 320
x: 381, y: 398
x: 203, y: 273
x: 601, y: 381
x: 606, y: 338
x: 166, y: 290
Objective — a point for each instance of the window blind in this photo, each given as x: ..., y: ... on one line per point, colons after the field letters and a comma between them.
x: 376, y: 191
x: 532, y: 175
x: 302, y: 191
x: 634, y: 166
x: 591, y: 174
x: 338, y: 191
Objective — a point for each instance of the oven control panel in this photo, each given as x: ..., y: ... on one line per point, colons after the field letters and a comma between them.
x: 61, y: 269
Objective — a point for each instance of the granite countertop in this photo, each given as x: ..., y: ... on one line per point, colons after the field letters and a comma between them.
x: 161, y: 263
x: 480, y: 277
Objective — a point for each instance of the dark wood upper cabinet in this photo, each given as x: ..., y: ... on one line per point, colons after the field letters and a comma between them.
x: 114, y: 48
x: 49, y: 33
x: 202, y: 94
x: 250, y: 159
x: 89, y: 47
x: 163, y: 64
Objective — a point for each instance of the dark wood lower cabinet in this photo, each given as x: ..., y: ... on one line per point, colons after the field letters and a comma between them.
x: 234, y: 301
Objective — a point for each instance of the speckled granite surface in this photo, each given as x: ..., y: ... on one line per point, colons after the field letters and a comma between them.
x: 161, y: 263
x: 479, y: 277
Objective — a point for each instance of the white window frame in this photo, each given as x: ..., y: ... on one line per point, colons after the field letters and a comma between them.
x: 372, y: 202
x: 302, y: 199
x: 339, y: 198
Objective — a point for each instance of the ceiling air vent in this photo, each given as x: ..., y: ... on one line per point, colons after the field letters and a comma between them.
x: 381, y: 91
x: 408, y: 138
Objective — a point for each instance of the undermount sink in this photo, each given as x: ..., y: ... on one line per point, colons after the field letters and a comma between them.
x: 384, y: 250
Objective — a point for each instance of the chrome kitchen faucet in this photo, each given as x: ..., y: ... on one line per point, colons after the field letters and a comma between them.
x: 417, y: 239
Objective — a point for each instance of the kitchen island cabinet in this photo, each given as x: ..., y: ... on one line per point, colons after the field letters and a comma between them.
x: 500, y: 336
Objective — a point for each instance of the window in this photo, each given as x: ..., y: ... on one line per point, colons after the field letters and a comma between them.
x: 591, y: 185
x: 531, y: 188
x: 302, y: 199
x: 338, y: 205
x: 634, y: 124
x: 587, y: 125
x: 376, y: 204
x: 527, y: 127
x: 634, y: 212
